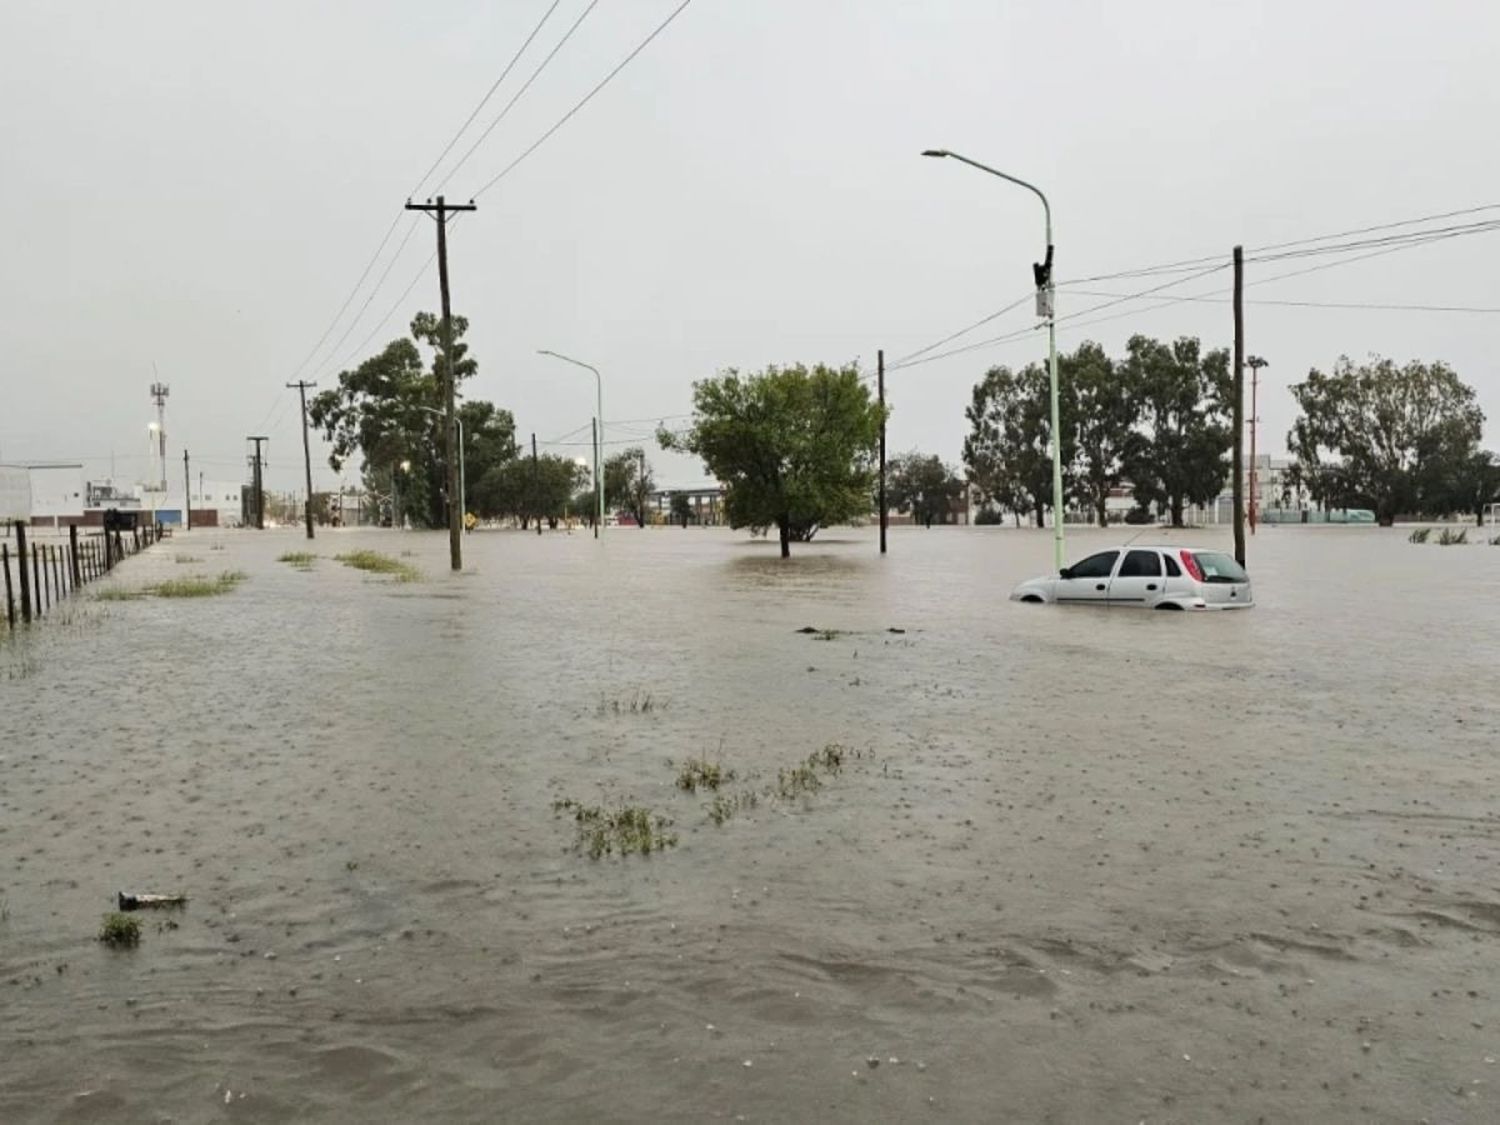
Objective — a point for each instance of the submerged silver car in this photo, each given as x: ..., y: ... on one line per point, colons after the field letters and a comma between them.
x: 1145, y: 578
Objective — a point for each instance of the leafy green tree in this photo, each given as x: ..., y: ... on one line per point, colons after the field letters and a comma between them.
x: 628, y: 483
x: 1007, y: 452
x: 924, y: 486
x: 528, y: 491
x: 794, y: 446
x: 1394, y: 439
x: 1177, y: 455
x: 682, y: 509
x: 1102, y: 413
x: 382, y: 410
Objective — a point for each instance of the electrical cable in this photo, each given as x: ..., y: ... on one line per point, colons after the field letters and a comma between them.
x: 509, y: 168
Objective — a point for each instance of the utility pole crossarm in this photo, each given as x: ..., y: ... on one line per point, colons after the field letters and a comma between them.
x: 441, y: 205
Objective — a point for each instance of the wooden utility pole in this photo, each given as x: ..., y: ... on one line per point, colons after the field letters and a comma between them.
x: 640, y: 492
x: 187, y: 494
x: 440, y: 211
x: 1238, y: 405
x: 880, y: 383
x: 302, y: 385
x: 536, y: 508
x: 257, y: 495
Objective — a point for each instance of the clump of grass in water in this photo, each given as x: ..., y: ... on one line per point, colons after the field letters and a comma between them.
x: 1451, y: 538
x: 1420, y: 535
x: 637, y: 704
x: 700, y: 773
x: 179, y: 558
x: 376, y: 563
x: 117, y: 594
x: 725, y: 807
x: 198, y: 586
x: 805, y: 778
x: 120, y: 931
x: 628, y: 830
x: 298, y: 558
x: 1495, y: 542
x: 22, y: 669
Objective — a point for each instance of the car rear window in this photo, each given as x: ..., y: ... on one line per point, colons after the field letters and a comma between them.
x: 1173, y: 570
x: 1220, y: 568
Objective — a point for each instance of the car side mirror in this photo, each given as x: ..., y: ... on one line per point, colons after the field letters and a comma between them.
x: 1065, y: 572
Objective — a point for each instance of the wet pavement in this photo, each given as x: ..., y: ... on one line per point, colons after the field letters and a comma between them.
x: 1078, y: 864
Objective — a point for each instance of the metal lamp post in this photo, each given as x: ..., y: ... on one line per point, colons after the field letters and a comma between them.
x: 463, y: 484
x: 598, y: 434
x: 1045, y: 306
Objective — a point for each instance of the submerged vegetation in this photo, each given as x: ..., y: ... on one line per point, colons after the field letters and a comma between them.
x: 198, y: 585
x: 120, y: 931
x: 627, y: 830
x: 374, y: 562
x: 700, y: 773
x: 302, y: 560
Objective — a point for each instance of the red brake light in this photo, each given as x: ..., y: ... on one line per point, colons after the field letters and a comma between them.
x: 1190, y: 564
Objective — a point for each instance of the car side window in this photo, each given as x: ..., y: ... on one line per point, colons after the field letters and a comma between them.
x: 1140, y: 564
x: 1173, y: 570
x: 1096, y: 566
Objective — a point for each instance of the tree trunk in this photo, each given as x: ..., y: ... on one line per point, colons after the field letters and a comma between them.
x: 1479, y: 515
x: 1177, y: 511
x: 1103, y: 511
x: 784, y: 526
x: 1041, y: 516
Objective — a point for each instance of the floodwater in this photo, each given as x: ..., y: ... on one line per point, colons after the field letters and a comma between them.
x: 1087, y: 865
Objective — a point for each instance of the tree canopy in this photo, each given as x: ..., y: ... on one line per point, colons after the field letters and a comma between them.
x: 924, y: 486
x: 389, y: 411
x: 1178, y: 452
x: 1102, y: 416
x: 794, y: 447
x: 1007, y: 451
x: 628, y: 483
x: 1393, y: 439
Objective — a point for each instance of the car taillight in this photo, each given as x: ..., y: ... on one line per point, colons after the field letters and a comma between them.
x: 1190, y: 564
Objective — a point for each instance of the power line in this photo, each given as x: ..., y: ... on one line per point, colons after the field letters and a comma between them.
x: 1188, y: 264
x: 504, y: 74
x: 1409, y: 238
x: 396, y: 257
x: 962, y: 331
x: 517, y: 97
x: 1318, y: 304
x: 605, y: 81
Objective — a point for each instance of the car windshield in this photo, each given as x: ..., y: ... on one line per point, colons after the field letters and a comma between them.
x: 1220, y: 568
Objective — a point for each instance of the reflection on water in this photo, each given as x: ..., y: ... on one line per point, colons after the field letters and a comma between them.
x: 1090, y: 865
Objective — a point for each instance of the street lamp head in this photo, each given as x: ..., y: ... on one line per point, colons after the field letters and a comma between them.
x: 406, y: 466
x: 935, y: 152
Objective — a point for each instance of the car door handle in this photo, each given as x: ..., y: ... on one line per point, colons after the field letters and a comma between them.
x: 1150, y: 585
x: 1100, y: 586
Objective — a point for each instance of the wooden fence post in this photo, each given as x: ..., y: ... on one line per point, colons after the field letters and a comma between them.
x: 10, y: 601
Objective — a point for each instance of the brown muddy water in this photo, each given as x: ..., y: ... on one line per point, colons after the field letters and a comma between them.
x: 1088, y: 865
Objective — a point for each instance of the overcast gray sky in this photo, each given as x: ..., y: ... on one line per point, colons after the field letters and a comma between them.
x: 198, y: 185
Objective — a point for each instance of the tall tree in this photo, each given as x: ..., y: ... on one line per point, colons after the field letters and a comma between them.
x: 1394, y: 439
x: 628, y: 483
x: 384, y: 410
x: 794, y: 447
x: 924, y: 486
x: 682, y: 509
x: 1101, y: 416
x: 1177, y: 455
x: 1008, y: 452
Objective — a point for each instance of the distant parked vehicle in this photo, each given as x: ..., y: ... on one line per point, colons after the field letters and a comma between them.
x: 1145, y: 578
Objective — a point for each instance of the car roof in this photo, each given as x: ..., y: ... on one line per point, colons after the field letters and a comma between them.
x: 1161, y: 547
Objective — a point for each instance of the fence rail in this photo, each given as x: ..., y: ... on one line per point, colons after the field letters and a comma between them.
x: 38, y: 576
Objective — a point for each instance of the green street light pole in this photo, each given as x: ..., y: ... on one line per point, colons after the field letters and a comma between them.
x: 598, y: 435
x: 1046, y: 306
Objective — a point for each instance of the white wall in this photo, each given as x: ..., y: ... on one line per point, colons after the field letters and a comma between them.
x: 56, y: 490
x: 15, y: 492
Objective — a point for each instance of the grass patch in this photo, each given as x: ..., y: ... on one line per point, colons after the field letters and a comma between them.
x: 198, y: 586
x: 180, y: 558
x: 376, y: 563
x: 120, y: 931
x: 1451, y: 538
x: 117, y: 594
x: 700, y: 773
x: 22, y: 669
x: 637, y: 704
x: 298, y: 559
x: 1420, y: 535
x: 1495, y: 542
x: 807, y: 777
x: 724, y: 807
x: 627, y: 830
